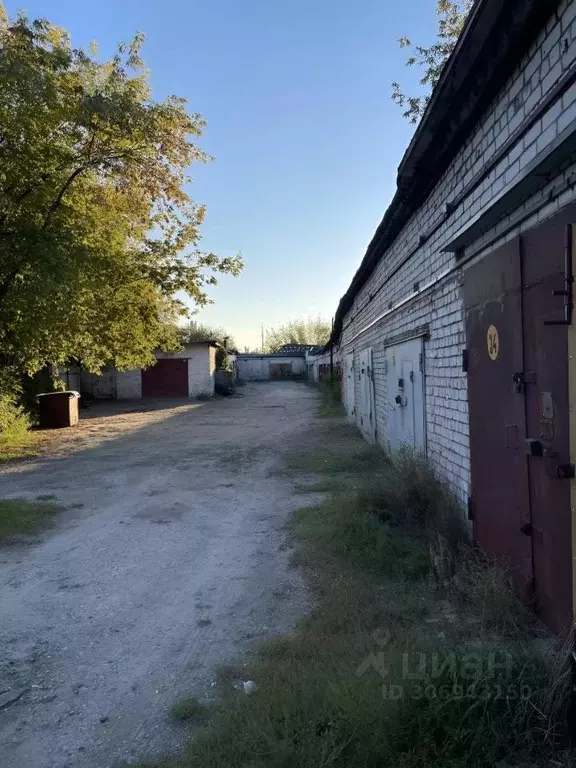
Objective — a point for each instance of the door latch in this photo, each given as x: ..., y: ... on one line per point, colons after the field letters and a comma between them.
x: 521, y: 378
x: 534, y: 447
x: 565, y: 471
x: 526, y: 529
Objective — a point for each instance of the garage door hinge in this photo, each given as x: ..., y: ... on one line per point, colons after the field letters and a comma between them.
x: 465, y: 360
x: 470, y: 506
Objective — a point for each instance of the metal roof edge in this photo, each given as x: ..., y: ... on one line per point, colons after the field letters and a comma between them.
x: 517, y: 23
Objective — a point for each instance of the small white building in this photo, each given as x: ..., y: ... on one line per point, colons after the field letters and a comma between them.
x: 256, y: 367
x: 189, y: 372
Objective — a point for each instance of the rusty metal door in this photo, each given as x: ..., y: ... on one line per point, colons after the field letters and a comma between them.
x: 168, y: 377
x: 280, y: 370
x: 499, y: 466
x: 546, y: 396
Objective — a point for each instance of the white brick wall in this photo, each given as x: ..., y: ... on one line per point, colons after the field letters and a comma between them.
x: 441, y: 304
x: 201, y: 367
x: 258, y: 368
x: 129, y: 384
x: 201, y: 373
x: 313, y: 363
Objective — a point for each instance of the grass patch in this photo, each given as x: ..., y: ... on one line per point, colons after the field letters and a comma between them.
x: 188, y: 709
x: 361, y: 458
x: 46, y: 497
x: 21, y: 517
x: 342, y: 526
x: 331, y: 402
x: 391, y: 669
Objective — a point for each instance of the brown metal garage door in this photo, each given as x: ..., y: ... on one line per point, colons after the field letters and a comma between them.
x: 280, y: 370
x: 519, y: 420
x: 168, y: 378
x: 499, y: 465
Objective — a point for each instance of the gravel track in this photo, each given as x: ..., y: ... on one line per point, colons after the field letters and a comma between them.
x: 168, y: 561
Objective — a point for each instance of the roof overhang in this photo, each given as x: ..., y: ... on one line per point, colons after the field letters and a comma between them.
x: 496, y: 36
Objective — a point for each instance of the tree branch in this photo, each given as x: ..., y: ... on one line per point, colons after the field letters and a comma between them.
x: 56, y: 204
x: 6, y: 284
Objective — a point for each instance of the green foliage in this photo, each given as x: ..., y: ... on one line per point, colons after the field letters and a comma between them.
x: 199, y: 332
x: 22, y: 517
x: 97, y: 231
x: 360, y: 458
x: 349, y: 529
x: 452, y: 16
x: 16, y: 440
x: 331, y: 404
x: 348, y: 687
x: 310, y: 331
x: 188, y: 709
x: 409, y: 492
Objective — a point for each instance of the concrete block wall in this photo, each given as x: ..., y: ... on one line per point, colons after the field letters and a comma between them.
x: 200, y: 374
x: 201, y: 367
x: 313, y: 363
x: 252, y: 368
x: 257, y: 368
x: 212, y: 369
x: 129, y: 384
x: 425, y: 290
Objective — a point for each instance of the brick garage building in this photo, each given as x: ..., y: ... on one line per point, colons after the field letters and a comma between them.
x: 451, y: 336
x: 187, y: 373
x: 277, y: 365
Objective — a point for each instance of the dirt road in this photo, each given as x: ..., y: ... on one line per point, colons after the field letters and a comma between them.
x: 168, y: 561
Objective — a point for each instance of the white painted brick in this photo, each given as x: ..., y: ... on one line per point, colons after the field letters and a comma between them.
x: 534, y: 99
x: 129, y: 384
x: 546, y: 137
x: 552, y: 115
x: 552, y: 77
x: 551, y: 40
x: 528, y: 155
x: 446, y: 385
x: 532, y: 135
x: 567, y: 117
x: 567, y: 16
x: 512, y: 171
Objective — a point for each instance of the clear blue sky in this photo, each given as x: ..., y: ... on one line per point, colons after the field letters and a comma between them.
x: 305, y: 136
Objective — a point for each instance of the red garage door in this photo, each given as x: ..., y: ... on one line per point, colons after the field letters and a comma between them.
x: 168, y: 378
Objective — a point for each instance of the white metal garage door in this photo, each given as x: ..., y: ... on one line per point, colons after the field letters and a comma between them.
x: 405, y: 395
x: 349, y: 384
x: 366, y: 416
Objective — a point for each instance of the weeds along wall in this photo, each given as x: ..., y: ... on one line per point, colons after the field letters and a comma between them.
x: 415, y: 290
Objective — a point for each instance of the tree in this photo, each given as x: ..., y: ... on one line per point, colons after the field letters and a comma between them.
x: 198, y: 332
x: 452, y: 15
x: 310, y: 331
x: 97, y: 231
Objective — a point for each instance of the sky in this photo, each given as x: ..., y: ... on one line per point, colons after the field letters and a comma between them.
x: 305, y: 136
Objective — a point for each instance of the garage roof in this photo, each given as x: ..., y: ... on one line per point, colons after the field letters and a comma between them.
x: 496, y: 36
